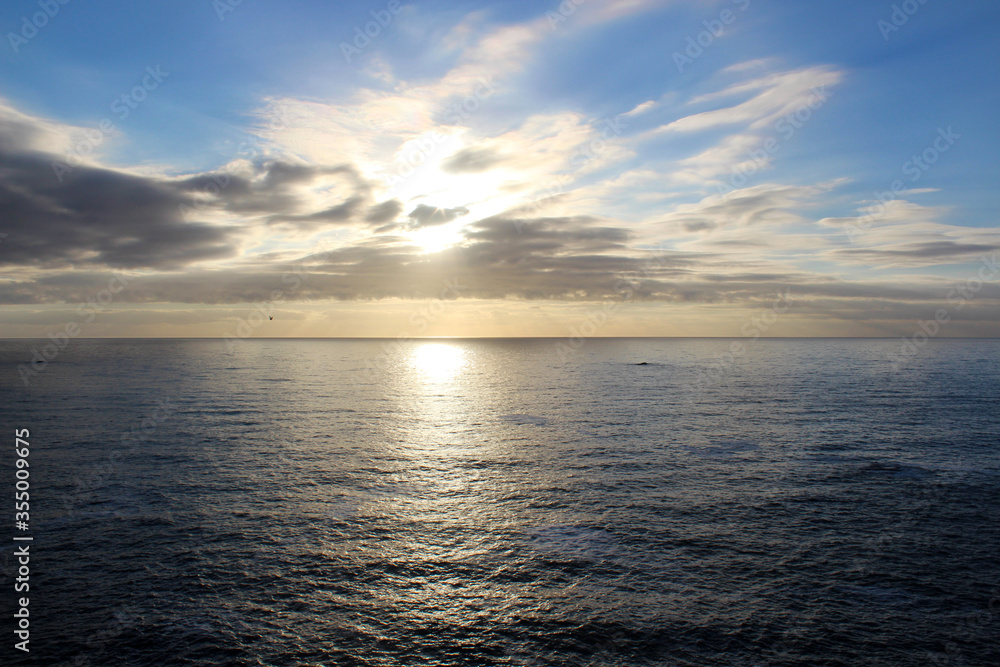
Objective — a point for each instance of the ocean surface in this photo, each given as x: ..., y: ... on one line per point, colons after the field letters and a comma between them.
x: 507, y: 502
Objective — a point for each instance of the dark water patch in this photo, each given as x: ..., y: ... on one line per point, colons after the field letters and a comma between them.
x: 524, y: 420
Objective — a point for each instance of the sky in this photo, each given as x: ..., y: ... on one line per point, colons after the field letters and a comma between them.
x: 589, y: 168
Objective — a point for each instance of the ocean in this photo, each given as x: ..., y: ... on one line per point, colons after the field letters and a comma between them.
x: 505, y: 502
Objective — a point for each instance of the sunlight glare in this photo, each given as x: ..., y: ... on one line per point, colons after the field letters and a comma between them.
x: 438, y: 238
x: 438, y: 362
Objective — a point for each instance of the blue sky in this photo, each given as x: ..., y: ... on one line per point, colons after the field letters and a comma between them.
x: 265, y: 88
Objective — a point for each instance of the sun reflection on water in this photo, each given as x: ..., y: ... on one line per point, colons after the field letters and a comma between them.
x: 438, y: 362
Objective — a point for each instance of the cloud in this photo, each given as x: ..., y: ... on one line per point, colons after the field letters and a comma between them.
x: 21, y: 133
x: 416, y: 131
x: 472, y: 161
x: 63, y: 238
x: 743, y: 127
x: 426, y: 216
x: 97, y: 216
x: 927, y: 253
x: 90, y: 215
x: 230, y: 235
x: 756, y: 209
x: 385, y: 212
x: 640, y: 109
x: 292, y: 190
x: 771, y: 97
x: 343, y: 212
x: 602, y: 11
x: 900, y: 233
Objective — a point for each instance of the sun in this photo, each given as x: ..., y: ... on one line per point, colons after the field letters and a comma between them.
x: 435, y: 239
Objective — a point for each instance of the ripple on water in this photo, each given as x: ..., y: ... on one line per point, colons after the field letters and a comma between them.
x: 525, y: 420
x: 577, y: 542
x: 294, y: 510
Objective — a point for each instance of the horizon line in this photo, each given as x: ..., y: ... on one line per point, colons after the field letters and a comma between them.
x: 417, y: 338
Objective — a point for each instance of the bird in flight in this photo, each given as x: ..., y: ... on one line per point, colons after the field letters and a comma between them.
x: 270, y: 317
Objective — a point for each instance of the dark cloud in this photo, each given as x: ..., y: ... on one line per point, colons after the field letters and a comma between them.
x: 427, y: 216
x: 759, y: 205
x: 917, y: 254
x: 70, y: 232
x: 546, y: 258
x: 57, y: 216
x: 471, y: 161
x: 344, y: 212
x: 274, y: 189
x: 384, y: 212
x: 18, y: 133
x: 98, y: 216
x: 574, y: 258
x: 389, y: 269
x: 699, y: 226
x: 281, y: 174
x: 502, y: 239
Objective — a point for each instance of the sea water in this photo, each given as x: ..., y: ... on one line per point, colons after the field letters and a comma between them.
x: 507, y: 502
